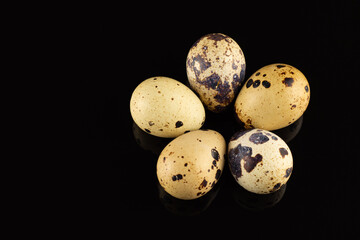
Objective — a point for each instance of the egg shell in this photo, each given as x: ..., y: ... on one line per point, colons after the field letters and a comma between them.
x: 215, y: 68
x: 164, y: 107
x: 273, y: 97
x: 260, y: 161
x: 191, y: 164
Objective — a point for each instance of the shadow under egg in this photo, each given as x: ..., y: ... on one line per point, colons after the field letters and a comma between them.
x: 289, y: 133
x: 187, y: 207
x: 149, y: 142
x: 223, y: 123
x: 257, y: 202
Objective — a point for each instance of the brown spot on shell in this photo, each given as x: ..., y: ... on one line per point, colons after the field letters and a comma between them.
x: 306, y: 88
x: 234, y: 66
x: 288, y: 172
x: 178, y: 124
x: 177, y: 177
x: 223, y: 89
x: 216, y: 36
x: 256, y: 83
x: 242, y: 153
x: 238, y: 134
x: 214, y: 163
x: 258, y: 138
x: 288, y: 82
x: 283, y: 152
x: 266, y: 84
x: 203, y: 184
x: 251, y: 162
x: 202, y: 63
x: 249, y: 83
x: 276, y: 187
x: 215, y: 154
x: 211, y: 81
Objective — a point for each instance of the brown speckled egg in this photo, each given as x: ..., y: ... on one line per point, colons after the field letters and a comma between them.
x: 215, y: 68
x: 191, y: 164
x: 273, y: 97
x: 164, y: 107
x: 260, y: 161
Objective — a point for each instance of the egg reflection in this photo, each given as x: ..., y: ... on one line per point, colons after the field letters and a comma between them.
x: 223, y: 123
x: 187, y: 207
x: 149, y: 142
x: 289, y: 133
x: 257, y: 202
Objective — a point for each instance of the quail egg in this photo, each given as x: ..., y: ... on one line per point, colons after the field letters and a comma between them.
x: 191, y: 164
x: 215, y: 68
x: 273, y: 97
x: 164, y: 107
x: 259, y: 160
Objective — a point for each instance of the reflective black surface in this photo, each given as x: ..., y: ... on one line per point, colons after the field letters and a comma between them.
x: 319, y: 200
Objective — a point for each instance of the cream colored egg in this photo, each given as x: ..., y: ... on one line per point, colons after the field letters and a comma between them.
x: 164, y: 107
x: 259, y: 160
x: 191, y: 164
x: 273, y: 97
x: 215, y: 68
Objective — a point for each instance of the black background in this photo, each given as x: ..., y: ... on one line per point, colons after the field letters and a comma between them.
x: 320, y: 39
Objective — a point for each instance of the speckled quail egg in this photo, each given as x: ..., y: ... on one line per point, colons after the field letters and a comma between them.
x: 259, y: 160
x: 215, y: 68
x: 191, y: 164
x: 273, y: 97
x: 164, y: 107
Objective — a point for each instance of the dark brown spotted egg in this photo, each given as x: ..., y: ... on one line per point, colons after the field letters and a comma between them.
x: 273, y: 97
x: 191, y: 164
x: 259, y: 160
x: 215, y: 68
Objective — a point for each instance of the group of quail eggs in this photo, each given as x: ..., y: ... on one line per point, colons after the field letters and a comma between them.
x: 273, y: 97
